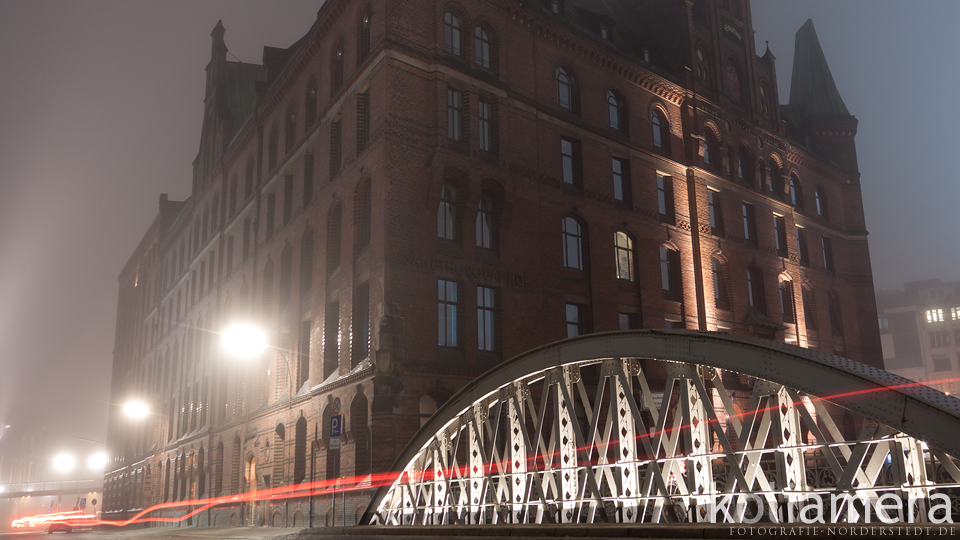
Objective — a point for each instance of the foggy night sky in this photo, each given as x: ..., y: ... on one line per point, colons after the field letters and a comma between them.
x: 100, y: 111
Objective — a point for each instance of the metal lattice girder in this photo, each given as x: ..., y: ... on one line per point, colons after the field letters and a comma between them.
x: 640, y: 427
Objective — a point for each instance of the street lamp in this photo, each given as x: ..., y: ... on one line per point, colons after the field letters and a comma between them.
x: 244, y: 341
x: 136, y: 409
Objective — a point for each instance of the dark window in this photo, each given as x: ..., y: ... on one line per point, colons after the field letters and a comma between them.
x: 363, y: 120
x: 363, y: 449
x: 566, y: 90
x: 246, y: 240
x: 310, y: 106
x: 306, y: 262
x: 287, y: 199
x: 941, y: 363
x: 290, y: 133
x: 454, y: 115
x: 486, y: 319
x: 308, y: 172
x: 821, y: 202
x: 447, y: 313
x: 827, y: 245
x: 809, y: 309
x: 796, y: 195
x: 570, y: 160
x: 336, y: 70
x: 665, y: 206
x: 719, y: 285
x: 233, y: 196
x: 621, y: 180
x: 271, y: 215
x: 363, y: 215
x: 300, y: 451
x: 661, y: 130
x: 361, y: 323
x: 248, y: 180
x: 575, y: 320
x: 776, y: 180
x: 267, y: 300
x: 334, y: 236
x: 616, y: 111
x: 711, y: 151
x: 229, y: 255
x: 273, y: 148
x: 572, y: 244
x: 335, y: 135
x: 331, y: 338
x: 451, y: 34
x: 749, y: 223
x: 780, y: 231
x: 485, y: 223
x: 755, y: 293
x: 745, y: 166
x: 627, y: 321
x: 716, y: 212
x: 482, y: 48
x: 447, y: 213
x: 803, y: 251
x: 836, y: 320
x: 624, y: 247
x: 303, y: 358
x: 488, y: 127
x: 286, y: 276
x: 786, y: 300
x: 670, y: 273
x: 363, y: 51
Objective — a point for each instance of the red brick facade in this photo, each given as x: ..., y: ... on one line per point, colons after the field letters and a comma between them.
x: 384, y: 147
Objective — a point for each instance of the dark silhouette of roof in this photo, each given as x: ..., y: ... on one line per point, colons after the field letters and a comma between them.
x: 812, y: 90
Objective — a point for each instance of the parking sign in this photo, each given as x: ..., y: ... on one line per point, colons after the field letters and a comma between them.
x: 336, y: 428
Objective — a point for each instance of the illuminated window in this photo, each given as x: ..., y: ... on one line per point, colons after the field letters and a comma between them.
x: 954, y: 313
x: 936, y: 315
x: 451, y: 33
x: 624, y: 246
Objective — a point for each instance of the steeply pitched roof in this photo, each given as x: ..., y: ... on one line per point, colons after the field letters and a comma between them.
x: 812, y: 90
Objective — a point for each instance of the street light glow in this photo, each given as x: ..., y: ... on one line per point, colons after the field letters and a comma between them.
x: 64, y: 462
x: 97, y: 461
x: 244, y: 341
x: 136, y: 409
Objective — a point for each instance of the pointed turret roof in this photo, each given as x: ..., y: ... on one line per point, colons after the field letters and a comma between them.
x: 812, y: 90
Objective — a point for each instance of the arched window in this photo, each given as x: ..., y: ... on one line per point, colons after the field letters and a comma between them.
x: 451, y: 34
x: 218, y: 483
x: 836, y: 320
x: 711, y: 151
x: 273, y: 147
x: 485, y: 223
x: 278, y: 458
x: 447, y: 213
x: 566, y: 89
x: 796, y: 194
x: 300, y: 451
x: 624, y: 246
x: 361, y: 434
x: 482, y: 48
x: 616, y: 111
x: 809, y: 308
x: 719, y: 285
x: 755, y: 296
x: 336, y: 69
x: 786, y: 300
x: 703, y: 72
x: 334, y: 236
x: 363, y: 217
x: 428, y: 406
x: 310, y: 105
x: 363, y: 49
x: 745, y: 165
x: 670, y: 273
x: 776, y: 179
x: 821, y: 201
x: 661, y: 130
x: 290, y: 133
x: 572, y: 244
x: 764, y: 99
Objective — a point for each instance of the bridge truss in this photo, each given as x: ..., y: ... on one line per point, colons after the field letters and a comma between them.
x: 679, y: 426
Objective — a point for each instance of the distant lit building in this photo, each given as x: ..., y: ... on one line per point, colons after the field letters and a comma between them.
x: 417, y: 191
x: 920, y: 332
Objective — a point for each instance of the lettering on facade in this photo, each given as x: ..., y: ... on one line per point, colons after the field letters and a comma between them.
x: 467, y: 270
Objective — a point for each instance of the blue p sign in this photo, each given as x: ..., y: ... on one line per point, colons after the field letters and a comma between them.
x: 336, y: 425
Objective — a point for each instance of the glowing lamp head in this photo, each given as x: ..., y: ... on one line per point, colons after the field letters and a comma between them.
x: 64, y: 462
x: 136, y: 409
x: 244, y: 341
x: 97, y: 462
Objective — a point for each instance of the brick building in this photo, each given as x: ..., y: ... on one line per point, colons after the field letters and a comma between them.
x: 418, y: 190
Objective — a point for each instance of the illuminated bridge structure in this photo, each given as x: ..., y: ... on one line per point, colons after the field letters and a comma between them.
x: 660, y: 426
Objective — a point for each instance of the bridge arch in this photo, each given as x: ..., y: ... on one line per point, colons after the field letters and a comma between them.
x: 640, y: 426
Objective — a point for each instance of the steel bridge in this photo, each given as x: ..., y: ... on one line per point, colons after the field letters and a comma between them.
x: 660, y: 426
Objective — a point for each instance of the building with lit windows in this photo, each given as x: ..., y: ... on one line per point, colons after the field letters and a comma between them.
x: 416, y: 191
x: 920, y: 332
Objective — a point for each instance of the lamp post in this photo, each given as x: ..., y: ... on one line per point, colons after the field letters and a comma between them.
x: 65, y: 462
